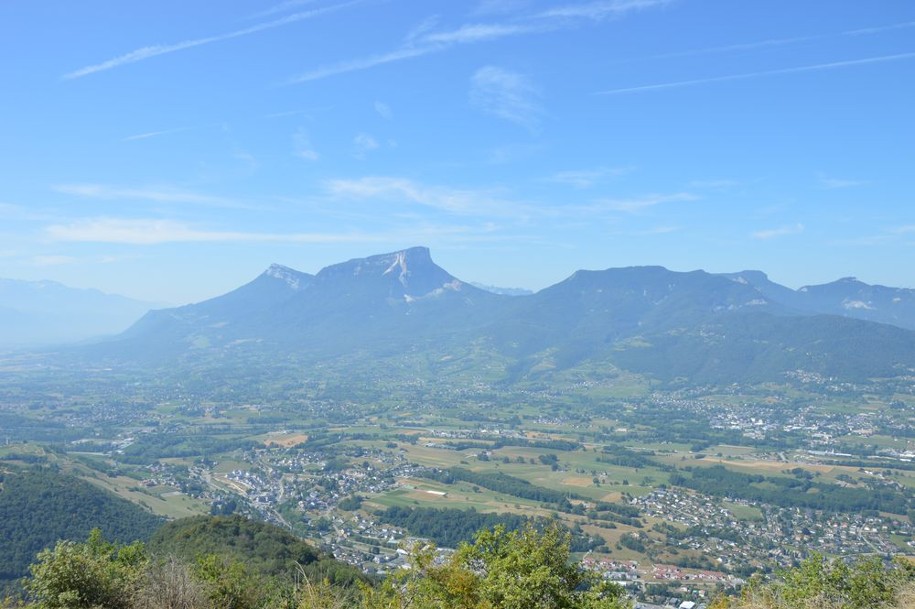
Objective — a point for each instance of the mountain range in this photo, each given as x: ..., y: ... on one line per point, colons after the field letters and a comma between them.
x: 34, y: 313
x: 693, y: 326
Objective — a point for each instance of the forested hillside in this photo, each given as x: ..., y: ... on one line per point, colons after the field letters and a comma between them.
x: 263, y: 548
x: 526, y: 569
x: 39, y: 506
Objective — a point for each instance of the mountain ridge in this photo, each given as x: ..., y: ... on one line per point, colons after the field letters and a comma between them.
x: 695, y: 324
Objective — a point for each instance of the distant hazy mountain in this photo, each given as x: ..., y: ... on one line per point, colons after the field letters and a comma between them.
x: 695, y: 326
x: 384, y: 302
x: 847, y: 297
x: 34, y: 313
x: 503, y: 291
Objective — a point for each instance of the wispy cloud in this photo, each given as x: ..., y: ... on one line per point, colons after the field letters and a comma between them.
x: 880, y: 28
x: 831, y: 183
x: 364, y: 63
x: 810, y: 68
x: 364, y: 144
x: 720, y: 184
x: 744, y: 46
x: 418, y: 45
x: 511, y: 153
x: 247, y: 160
x: 500, y: 7
x: 638, y: 204
x: 9, y: 211
x: 53, y: 260
x: 156, y: 231
x: 159, y: 194
x: 153, y: 231
x: 151, y: 134
x: 772, y: 42
x: 384, y: 110
x: 781, y: 231
x: 149, y: 52
x: 478, y: 32
x: 425, y: 39
x: 660, y: 230
x: 451, y: 200
x: 505, y: 94
x: 586, y: 178
x: 485, y: 204
x: 302, y: 148
x: 598, y: 11
x: 287, y: 113
x: 282, y: 7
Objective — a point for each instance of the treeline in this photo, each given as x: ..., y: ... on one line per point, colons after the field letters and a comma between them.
x: 661, y: 424
x: 38, y: 506
x: 449, y: 527
x: 474, y: 442
x: 322, y: 439
x: 161, y: 446
x: 868, y: 583
x: 526, y: 568
x: 719, y: 481
x: 616, y: 512
x: 616, y: 454
x: 500, y: 483
x: 262, y: 547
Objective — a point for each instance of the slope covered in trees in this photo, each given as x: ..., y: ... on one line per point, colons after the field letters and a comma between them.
x: 263, y: 548
x: 502, y: 570
x: 39, y: 506
x: 450, y: 527
x: 523, y: 569
x: 719, y: 481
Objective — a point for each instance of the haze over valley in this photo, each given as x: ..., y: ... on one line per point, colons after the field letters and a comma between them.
x: 483, y: 304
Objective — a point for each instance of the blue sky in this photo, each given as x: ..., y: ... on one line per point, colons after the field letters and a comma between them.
x: 170, y: 151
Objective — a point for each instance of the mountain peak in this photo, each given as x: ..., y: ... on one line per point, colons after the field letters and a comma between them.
x: 412, y: 268
x: 750, y: 276
x: 291, y: 277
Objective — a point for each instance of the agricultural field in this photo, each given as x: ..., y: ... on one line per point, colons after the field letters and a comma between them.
x: 676, y: 482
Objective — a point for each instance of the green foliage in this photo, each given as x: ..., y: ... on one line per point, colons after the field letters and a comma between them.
x: 501, y: 570
x: 158, y: 446
x: 40, y: 506
x: 228, y: 583
x: 90, y: 575
x: 792, y: 492
x: 529, y: 568
x: 830, y: 584
x: 449, y: 527
x: 264, y: 549
x: 502, y: 483
x: 351, y: 503
x: 321, y: 595
x: 96, y: 574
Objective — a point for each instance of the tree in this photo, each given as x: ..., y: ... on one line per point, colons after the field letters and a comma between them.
x: 170, y: 584
x: 228, y: 584
x: 87, y: 575
x: 830, y: 584
x: 501, y: 570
